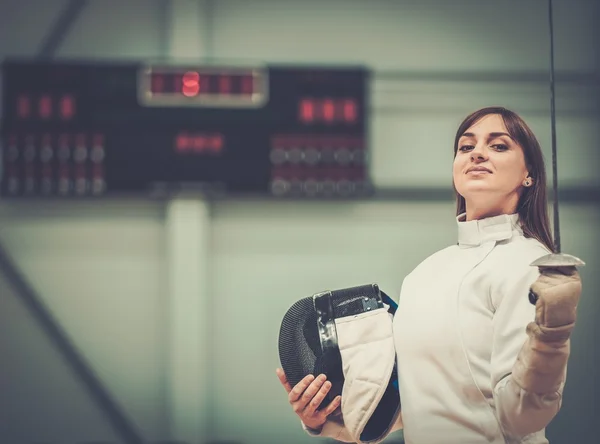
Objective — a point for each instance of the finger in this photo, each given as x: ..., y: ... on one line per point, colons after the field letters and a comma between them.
x: 283, y: 380
x: 332, y: 406
x: 311, y: 391
x: 316, y: 401
x: 299, y: 388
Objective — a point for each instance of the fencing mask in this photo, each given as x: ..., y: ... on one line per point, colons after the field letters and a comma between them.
x: 347, y: 335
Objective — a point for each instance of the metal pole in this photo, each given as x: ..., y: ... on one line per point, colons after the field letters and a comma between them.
x: 122, y: 426
x: 60, y: 28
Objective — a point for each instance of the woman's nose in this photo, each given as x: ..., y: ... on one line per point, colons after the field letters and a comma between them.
x: 478, y: 153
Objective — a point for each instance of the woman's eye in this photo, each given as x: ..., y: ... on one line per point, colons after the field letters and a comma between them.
x: 500, y: 147
x: 466, y: 148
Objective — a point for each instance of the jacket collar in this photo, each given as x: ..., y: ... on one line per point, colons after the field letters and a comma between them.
x: 496, y: 228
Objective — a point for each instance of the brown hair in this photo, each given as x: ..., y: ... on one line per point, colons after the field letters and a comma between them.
x: 532, y: 207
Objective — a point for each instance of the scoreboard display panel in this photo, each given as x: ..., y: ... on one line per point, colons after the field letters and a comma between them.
x: 82, y: 128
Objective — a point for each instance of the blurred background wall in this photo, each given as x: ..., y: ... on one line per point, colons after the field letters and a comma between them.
x: 176, y: 303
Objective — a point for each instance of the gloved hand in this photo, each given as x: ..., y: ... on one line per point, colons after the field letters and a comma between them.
x: 558, y: 291
x: 541, y: 363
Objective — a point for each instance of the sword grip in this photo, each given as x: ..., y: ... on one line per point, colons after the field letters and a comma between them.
x: 558, y: 261
x: 565, y: 269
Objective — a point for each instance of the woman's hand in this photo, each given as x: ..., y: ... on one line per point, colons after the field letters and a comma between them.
x: 558, y: 291
x: 306, y: 397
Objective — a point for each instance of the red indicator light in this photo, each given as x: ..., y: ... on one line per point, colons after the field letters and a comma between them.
x: 200, y: 143
x: 158, y: 84
x: 182, y: 142
x: 307, y: 110
x: 350, y: 111
x: 247, y: 85
x: 224, y: 84
x: 23, y: 107
x: 216, y: 143
x: 191, y: 84
x: 45, y: 107
x: 328, y: 110
x: 67, y: 107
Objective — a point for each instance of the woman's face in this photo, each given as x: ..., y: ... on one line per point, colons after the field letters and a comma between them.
x: 489, y: 165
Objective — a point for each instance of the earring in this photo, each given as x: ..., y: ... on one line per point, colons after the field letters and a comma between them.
x: 527, y: 183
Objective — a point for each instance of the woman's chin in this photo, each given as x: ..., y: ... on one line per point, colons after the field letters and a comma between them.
x: 474, y: 188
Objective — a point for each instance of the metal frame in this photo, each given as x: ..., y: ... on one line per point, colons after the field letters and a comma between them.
x: 61, y: 27
x: 122, y: 426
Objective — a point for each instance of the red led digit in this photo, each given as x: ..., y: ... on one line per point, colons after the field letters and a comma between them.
x: 307, y: 110
x: 67, y: 107
x: 158, y: 84
x: 23, y: 107
x: 191, y: 84
x: 247, y: 85
x: 217, y: 143
x: 183, y: 142
x: 45, y: 107
x: 350, y: 111
x: 200, y: 142
x: 328, y: 110
x: 224, y: 84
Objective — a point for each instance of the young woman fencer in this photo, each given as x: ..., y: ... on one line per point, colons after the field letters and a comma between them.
x: 477, y: 361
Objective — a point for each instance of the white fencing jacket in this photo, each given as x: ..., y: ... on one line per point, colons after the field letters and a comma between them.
x: 460, y: 325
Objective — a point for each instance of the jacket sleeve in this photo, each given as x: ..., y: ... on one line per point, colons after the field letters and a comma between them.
x: 334, y: 429
x: 528, y: 375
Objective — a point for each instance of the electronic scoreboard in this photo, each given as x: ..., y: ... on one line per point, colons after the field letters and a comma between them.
x: 83, y: 128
